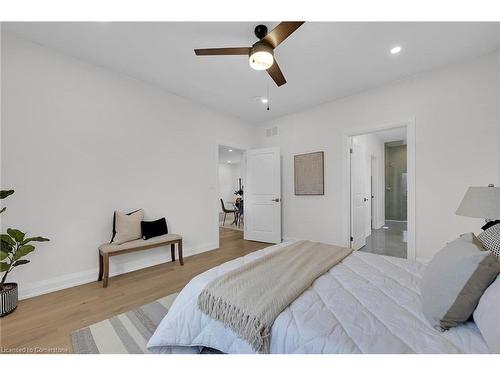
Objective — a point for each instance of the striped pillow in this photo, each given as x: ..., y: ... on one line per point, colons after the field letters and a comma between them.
x: 490, y: 238
x: 455, y: 280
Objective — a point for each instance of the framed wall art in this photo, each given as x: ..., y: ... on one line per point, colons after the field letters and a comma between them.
x: 309, y: 173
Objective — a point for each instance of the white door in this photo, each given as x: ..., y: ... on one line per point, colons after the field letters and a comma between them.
x: 262, y: 204
x: 358, y: 197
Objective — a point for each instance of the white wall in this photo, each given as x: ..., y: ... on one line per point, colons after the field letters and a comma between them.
x: 373, y: 147
x: 228, y: 181
x: 498, y: 82
x: 457, y: 127
x: 79, y: 142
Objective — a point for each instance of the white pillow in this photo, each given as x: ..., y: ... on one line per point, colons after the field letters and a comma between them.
x: 127, y: 227
x: 487, y: 316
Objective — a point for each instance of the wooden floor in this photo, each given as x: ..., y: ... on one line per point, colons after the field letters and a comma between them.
x: 44, y: 323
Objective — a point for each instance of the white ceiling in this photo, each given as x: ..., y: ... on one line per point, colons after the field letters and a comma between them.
x: 321, y: 61
x: 230, y: 157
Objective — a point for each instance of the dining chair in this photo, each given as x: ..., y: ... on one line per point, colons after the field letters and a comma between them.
x: 240, y: 212
x: 227, y: 211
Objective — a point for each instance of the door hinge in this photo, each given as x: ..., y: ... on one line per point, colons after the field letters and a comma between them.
x: 352, y: 238
x: 350, y: 150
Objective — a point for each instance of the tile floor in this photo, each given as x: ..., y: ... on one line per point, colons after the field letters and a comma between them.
x: 388, y: 240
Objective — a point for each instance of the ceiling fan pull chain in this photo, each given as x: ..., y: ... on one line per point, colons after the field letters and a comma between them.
x: 268, y: 98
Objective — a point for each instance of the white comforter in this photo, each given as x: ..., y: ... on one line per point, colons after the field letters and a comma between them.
x: 366, y: 304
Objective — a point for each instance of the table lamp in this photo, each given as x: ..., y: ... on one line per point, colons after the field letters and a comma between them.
x: 481, y: 202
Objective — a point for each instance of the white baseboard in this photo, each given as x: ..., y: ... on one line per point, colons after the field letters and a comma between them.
x: 28, y: 290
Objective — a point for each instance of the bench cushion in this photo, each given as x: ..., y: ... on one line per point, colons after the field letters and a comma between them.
x: 110, y: 247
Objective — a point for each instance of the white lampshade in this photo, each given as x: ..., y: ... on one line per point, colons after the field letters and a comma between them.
x: 481, y: 202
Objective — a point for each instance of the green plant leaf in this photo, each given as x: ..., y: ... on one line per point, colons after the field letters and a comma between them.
x: 5, y: 247
x: 7, y: 239
x: 35, y: 239
x: 3, y: 266
x: 5, y: 193
x: 16, y: 234
x: 3, y: 254
x: 23, y: 251
x: 20, y: 262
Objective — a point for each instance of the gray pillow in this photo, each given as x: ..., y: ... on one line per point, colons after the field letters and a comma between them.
x: 455, y: 280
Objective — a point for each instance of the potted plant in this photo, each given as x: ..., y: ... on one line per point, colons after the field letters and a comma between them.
x: 14, y: 246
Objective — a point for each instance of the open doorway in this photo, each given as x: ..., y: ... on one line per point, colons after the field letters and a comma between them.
x: 379, y: 192
x: 248, y: 194
x: 230, y: 187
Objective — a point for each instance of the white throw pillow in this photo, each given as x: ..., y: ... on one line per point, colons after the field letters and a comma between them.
x: 487, y: 316
x: 127, y: 227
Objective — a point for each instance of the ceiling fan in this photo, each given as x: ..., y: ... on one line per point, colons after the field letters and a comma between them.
x: 261, y: 54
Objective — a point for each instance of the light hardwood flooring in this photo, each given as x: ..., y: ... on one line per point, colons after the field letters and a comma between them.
x: 44, y: 323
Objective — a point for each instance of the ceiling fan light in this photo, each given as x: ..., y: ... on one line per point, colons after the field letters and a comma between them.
x: 261, y: 57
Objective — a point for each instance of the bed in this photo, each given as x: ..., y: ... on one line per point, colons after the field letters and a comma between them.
x: 366, y: 304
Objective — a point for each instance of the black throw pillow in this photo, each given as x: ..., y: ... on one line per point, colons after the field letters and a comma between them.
x: 153, y: 228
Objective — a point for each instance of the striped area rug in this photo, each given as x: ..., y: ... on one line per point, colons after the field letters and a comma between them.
x: 128, y: 333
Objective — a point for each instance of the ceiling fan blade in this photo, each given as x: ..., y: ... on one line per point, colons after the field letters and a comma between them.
x: 222, y: 51
x: 281, y: 32
x: 276, y: 74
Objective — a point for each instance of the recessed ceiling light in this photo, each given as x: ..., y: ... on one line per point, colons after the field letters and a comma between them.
x: 396, y: 50
x: 229, y: 161
x: 264, y: 100
x: 230, y: 150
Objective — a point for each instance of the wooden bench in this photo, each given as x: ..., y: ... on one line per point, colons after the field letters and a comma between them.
x: 109, y: 249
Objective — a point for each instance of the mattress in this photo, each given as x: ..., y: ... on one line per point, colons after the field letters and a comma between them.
x: 366, y: 304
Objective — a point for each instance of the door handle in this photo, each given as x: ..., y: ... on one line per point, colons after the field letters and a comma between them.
x: 365, y: 199
x: 276, y: 200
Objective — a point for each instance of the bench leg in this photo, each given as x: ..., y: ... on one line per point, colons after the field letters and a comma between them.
x: 106, y: 270
x: 100, y: 267
x: 172, y: 252
x: 179, y: 248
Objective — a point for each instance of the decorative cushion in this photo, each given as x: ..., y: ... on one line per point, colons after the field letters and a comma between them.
x: 127, y: 227
x: 455, y: 280
x: 487, y: 316
x: 490, y: 224
x: 153, y: 228
x: 490, y: 238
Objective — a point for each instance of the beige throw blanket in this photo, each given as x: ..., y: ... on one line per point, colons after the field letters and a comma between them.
x: 250, y: 298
